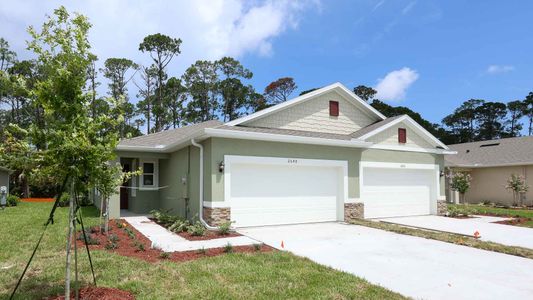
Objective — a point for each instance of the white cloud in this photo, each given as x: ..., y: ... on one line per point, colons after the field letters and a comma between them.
x: 209, y: 29
x: 408, y: 7
x: 497, y: 69
x: 394, y: 85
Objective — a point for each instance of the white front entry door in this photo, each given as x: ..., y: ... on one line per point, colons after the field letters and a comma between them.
x: 269, y: 191
x: 392, y: 192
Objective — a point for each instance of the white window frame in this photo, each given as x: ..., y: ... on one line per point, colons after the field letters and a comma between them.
x: 155, y: 186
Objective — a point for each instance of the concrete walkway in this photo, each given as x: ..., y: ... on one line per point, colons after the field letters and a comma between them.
x: 498, y: 233
x: 170, y: 242
x: 415, y: 267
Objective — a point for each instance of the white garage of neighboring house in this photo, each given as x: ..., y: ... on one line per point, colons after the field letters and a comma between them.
x: 323, y: 156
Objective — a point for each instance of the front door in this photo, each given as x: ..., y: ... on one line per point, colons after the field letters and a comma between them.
x: 124, y: 189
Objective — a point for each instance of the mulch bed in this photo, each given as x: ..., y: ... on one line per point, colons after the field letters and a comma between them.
x: 127, y: 246
x: 98, y: 293
x: 38, y: 200
x: 514, y: 221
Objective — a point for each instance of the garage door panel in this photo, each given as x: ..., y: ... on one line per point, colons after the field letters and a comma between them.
x: 262, y: 194
x: 397, y: 192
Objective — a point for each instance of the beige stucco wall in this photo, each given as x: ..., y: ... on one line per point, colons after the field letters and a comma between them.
x: 313, y: 115
x: 488, y: 184
x: 390, y: 137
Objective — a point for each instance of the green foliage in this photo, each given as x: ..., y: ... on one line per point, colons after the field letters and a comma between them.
x: 164, y: 255
x: 364, y: 92
x: 111, y: 245
x: 12, y: 200
x: 202, y: 251
x: 164, y: 218
x: 279, y: 90
x: 113, y: 238
x: 257, y: 247
x: 64, y: 200
x: 179, y: 226
x: 139, y: 246
x: 458, y: 211
x: 130, y: 233
x: 228, y: 248
x: 224, y: 228
x: 460, y: 182
x: 91, y: 240
x: 517, y: 184
x: 197, y: 229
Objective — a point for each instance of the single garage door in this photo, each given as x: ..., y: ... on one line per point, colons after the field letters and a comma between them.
x: 269, y: 191
x: 393, y: 192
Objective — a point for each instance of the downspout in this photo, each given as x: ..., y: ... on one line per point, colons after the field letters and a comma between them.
x: 201, y: 212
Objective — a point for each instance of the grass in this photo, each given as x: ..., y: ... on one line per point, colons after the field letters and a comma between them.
x: 273, y: 275
x: 448, y: 237
x: 475, y: 209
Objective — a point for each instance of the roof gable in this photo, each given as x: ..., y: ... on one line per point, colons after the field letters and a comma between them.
x: 348, y: 95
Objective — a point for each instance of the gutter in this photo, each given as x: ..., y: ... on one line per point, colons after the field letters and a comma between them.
x: 201, y: 212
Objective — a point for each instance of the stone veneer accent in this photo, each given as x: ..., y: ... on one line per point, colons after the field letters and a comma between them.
x: 215, y: 216
x: 354, y: 211
x: 442, y: 208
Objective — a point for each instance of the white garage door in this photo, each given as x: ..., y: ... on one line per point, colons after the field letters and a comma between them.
x: 393, y: 192
x: 283, y: 191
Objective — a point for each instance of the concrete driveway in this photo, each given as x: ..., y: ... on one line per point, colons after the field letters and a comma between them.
x: 412, y: 266
x: 498, y: 233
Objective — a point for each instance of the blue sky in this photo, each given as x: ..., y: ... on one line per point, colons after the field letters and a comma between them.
x: 424, y: 54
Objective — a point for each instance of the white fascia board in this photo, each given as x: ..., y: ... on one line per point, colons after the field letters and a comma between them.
x: 351, y: 96
x: 259, y: 136
x: 159, y: 149
x: 426, y: 134
x: 480, y: 166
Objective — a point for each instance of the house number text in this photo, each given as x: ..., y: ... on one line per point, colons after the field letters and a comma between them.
x: 292, y: 161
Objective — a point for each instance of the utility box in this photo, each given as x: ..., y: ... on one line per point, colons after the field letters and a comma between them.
x: 3, y: 196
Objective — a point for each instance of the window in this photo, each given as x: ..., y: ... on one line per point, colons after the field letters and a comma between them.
x: 334, y: 108
x: 402, y: 135
x: 149, y: 177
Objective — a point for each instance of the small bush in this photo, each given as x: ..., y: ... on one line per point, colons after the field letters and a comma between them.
x: 164, y: 255
x: 180, y: 226
x: 164, y: 218
x: 455, y: 211
x: 12, y: 200
x: 224, y: 228
x: 64, y: 200
x: 201, y: 251
x: 130, y: 232
x: 113, y: 238
x: 119, y: 224
x: 197, y: 229
x: 257, y: 247
x: 228, y: 248
x: 111, y: 245
x: 138, y: 245
x: 90, y: 238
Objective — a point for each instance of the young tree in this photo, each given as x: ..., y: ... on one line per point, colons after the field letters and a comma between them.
x: 528, y: 102
x: 92, y: 82
x: 278, y: 91
x: 460, y: 182
x: 201, y: 81
x: 516, y: 112
x: 162, y: 49
x: 364, y: 92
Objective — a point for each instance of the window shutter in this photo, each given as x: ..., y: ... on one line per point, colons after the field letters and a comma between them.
x: 402, y: 135
x: 334, y: 108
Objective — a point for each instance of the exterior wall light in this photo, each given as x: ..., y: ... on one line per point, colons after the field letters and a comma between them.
x: 441, y: 173
x: 221, y: 167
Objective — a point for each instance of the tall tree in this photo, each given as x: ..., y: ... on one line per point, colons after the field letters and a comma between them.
x: 308, y: 91
x: 492, y: 119
x: 7, y: 56
x: 235, y: 95
x: 92, y: 83
x: 463, y: 121
x: 201, y: 81
x: 162, y: 49
x: 175, y: 96
x: 516, y: 110
x: 364, y: 92
x: 146, y: 91
x: 529, y: 111
x: 278, y: 91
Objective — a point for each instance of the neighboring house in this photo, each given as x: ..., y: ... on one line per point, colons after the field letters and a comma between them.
x: 323, y: 156
x: 4, y: 177
x: 491, y: 163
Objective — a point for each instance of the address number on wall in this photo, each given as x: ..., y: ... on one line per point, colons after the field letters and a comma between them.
x: 292, y: 161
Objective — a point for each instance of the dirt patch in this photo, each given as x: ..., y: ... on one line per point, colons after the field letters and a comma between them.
x: 98, y: 293
x: 125, y: 240
x: 514, y: 221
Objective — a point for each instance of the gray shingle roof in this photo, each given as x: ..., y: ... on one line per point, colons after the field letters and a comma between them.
x: 323, y: 135
x: 167, y: 137
x: 359, y: 133
x: 509, y: 151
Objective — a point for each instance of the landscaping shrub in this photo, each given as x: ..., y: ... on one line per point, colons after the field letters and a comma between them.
x: 64, y: 200
x: 130, y: 233
x: 164, y: 255
x: 197, y: 229
x: 90, y: 238
x: 257, y: 247
x: 180, y: 226
x: 224, y: 228
x: 164, y: 218
x: 138, y: 245
x: 455, y: 211
x: 202, y: 251
x: 228, y: 248
x: 113, y: 238
x: 111, y: 246
x: 12, y: 200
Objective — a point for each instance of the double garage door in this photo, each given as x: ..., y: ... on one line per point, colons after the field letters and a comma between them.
x: 270, y: 191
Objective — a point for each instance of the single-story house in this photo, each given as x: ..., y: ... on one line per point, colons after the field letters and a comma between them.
x: 4, y: 177
x: 490, y: 164
x: 323, y: 156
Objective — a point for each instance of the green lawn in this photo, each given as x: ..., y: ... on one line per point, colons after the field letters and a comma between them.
x: 275, y: 275
x: 474, y: 209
